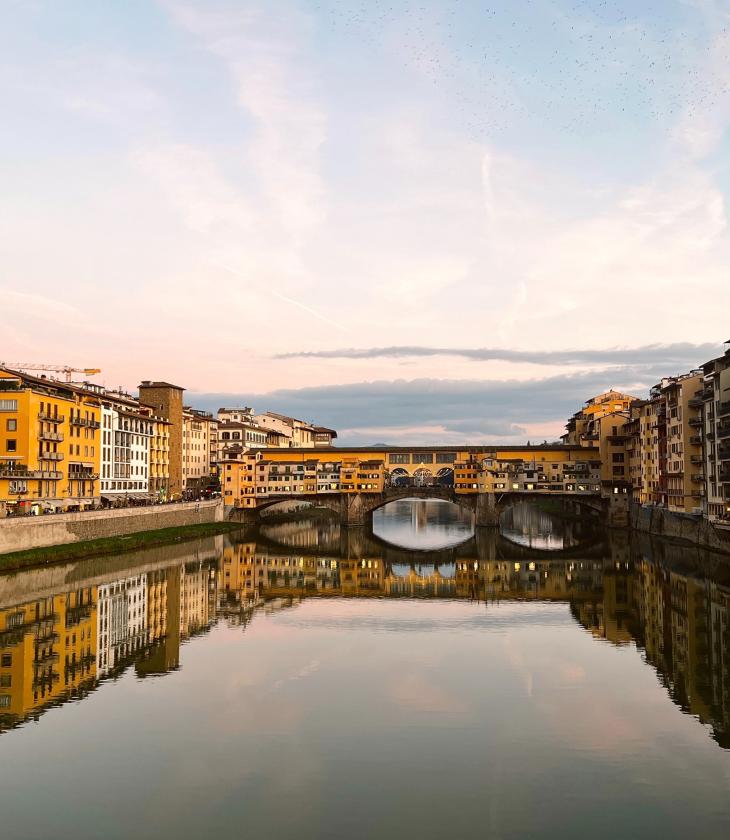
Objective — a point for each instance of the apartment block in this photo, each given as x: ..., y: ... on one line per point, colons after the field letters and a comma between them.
x: 50, y: 451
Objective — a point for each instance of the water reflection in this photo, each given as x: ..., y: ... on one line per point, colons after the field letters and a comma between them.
x: 548, y: 526
x: 423, y: 524
x: 57, y: 642
x: 313, y: 672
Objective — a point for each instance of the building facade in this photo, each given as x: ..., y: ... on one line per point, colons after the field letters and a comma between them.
x: 50, y: 452
x: 166, y: 401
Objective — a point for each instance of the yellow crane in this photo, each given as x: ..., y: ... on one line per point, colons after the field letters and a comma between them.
x: 64, y: 369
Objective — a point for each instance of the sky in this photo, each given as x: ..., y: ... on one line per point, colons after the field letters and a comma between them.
x: 446, y: 221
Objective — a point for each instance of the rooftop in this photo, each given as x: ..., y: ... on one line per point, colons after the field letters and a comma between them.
x: 158, y: 384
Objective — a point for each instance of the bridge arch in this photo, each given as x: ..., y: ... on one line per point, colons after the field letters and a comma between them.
x: 588, y: 502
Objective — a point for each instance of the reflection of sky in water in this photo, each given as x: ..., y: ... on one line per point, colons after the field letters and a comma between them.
x: 446, y: 570
x: 423, y: 524
x: 452, y: 719
x: 525, y: 524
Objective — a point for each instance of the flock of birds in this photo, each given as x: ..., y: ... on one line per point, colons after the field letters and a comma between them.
x: 573, y: 66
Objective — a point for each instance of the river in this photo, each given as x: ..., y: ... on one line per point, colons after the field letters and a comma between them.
x: 305, y: 681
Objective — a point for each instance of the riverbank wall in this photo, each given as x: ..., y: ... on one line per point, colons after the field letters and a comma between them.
x: 23, y: 533
x: 682, y: 527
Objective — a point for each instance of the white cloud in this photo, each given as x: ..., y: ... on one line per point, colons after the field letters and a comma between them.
x: 267, y: 58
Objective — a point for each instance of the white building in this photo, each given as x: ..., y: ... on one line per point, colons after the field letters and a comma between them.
x: 236, y: 415
x: 235, y: 437
x: 125, y: 450
x: 296, y: 433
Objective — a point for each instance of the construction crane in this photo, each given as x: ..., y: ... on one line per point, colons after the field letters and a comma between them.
x: 64, y: 369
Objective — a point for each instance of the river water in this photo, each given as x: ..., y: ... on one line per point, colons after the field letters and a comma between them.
x: 306, y: 682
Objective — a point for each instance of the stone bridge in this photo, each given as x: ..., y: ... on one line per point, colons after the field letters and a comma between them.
x: 358, y: 508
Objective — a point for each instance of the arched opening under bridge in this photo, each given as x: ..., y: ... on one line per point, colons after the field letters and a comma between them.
x: 549, y: 524
x: 423, y: 524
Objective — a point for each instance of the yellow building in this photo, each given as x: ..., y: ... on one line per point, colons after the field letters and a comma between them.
x: 580, y: 429
x: 432, y: 465
x: 50, y: 452
x: 238, y: 480
x: 159, y: 465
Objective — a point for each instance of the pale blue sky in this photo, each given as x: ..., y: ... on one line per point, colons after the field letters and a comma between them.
x: 193, y: 189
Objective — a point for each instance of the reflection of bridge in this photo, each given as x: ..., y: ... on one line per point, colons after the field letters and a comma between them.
x: 484, y: 545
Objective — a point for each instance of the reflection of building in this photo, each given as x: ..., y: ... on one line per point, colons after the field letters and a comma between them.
x: 57, y: 647
x: 47, y: 652
x: 122, y: 621
x: 194, y: 613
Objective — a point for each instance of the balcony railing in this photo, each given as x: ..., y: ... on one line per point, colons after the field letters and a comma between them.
x: 696, y: 459
x: 695, y: 440
x: 22, y: 472
x: 51, y: 456
x: 90, y: 423
x: 724, y: 407
x: 51, y: 418
x: 54, y: 436
x: 696, y: 422
x: 697, y: 477
x: 696, y: 402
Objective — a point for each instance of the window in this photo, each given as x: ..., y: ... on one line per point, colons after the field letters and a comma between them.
x: 445, y: 457
x: 5, y: 681
x: 423, y: 458
x: 11, y: 425
x: 4, y: 701
x: 399, y: 458
x: 11, y: 445
x: 7, y: 660
x: 8, y: 405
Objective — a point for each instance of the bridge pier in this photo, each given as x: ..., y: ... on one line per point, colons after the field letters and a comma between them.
x: 618, y: 510
x: 486, y: 512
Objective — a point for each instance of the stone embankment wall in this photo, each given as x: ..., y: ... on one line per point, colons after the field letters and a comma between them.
x: 22, y: 533
x: 678, y: 526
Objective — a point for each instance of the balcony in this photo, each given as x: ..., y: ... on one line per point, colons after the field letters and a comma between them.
x: 45, y: 680
x: 696, y: 459
x: 46, y: 657
x: 58, y: 418
x: 723, y: 432
x: 698, y: 477
x: 83, y: 421
x: 83, y: 476
x: 22, y: 472
x: 54, y: 436
x: 695, y: 440
x: 696, y: 402
x: 724, y: 408
x: 51, y: 456
x: 696, y: 422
